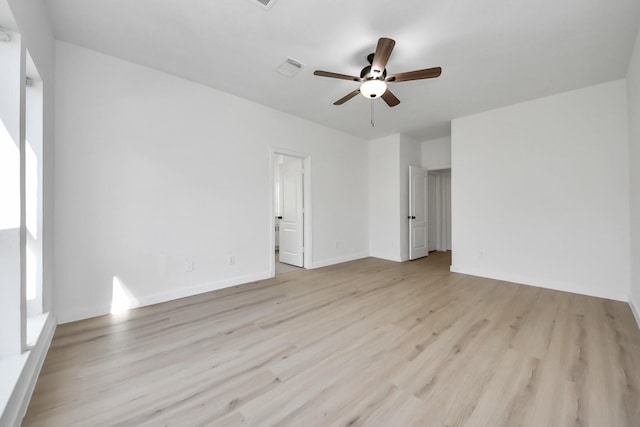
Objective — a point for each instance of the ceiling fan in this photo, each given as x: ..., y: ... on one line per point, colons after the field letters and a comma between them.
x: 374, y: 77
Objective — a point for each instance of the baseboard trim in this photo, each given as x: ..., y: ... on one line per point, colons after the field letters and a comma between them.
x: 388, y: 257
x: 523, y: 280
x: 338, y: 260
x: 635, y: 311
x: 81, y: 314
x: 200, y: 289
x: 19, y: 401
x: 145, y: 300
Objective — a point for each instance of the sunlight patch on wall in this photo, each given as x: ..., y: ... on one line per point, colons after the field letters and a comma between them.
x: 122, y: 299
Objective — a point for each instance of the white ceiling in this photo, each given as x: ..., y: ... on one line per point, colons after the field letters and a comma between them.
x: 493, y: 52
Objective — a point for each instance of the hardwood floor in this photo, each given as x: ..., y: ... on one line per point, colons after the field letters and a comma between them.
x: 368, y: 342
x: 282, y: 267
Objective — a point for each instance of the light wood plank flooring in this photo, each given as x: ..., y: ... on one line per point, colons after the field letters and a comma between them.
x: 282, y: 267
x: 368, y: 342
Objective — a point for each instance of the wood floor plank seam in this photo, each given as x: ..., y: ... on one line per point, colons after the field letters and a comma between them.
x: 363, y: 343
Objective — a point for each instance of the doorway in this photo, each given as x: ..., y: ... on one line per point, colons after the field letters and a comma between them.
x: 418, y: 212
x: 439, y: 218
x: 290, y: 211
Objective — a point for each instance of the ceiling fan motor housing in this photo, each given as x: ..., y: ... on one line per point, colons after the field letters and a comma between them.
x: 366, y: 74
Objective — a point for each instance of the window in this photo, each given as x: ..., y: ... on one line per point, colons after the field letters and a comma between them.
x: 20, y: 194
x: 12, y: 330
x: 33, y: 199
x: 33, y: 188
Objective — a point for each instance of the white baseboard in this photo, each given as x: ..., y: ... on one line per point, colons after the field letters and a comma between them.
x: 199, y: 289
x: 18, y: 403
x: 82, y: 313
x: 635, y: 311
x: 338, y: 260
x: 388, y: 257
x: 540, y: 283
x: 144, y: 300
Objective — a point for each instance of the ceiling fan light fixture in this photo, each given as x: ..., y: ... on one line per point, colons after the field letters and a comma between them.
x: 373, y: 78
x: 373, y: 88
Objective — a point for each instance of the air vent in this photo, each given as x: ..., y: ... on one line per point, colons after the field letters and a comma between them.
x: 5, y: 36
x: 265, y: 4
x: 290, y: 67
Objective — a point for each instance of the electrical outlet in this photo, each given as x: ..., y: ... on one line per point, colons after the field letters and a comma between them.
x: 188, y: 266
x: 231, y: 260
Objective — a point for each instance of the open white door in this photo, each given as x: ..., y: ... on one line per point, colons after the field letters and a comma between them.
x: 291, y: 225
x: 418, y: 209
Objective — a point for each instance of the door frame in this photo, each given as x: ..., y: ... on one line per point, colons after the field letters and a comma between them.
x: 418, y: 172
x: 306, y: 223
x: 434, y: 203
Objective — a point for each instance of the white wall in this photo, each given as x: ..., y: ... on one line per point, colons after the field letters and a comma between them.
x: 541, y: 192
x: 389, y: 161
x: 436, y: 153
x: 384, y: 198
x: 633, y: 93
x: 153, y: 171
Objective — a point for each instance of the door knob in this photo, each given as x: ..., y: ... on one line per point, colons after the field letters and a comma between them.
x: 411, y: 217
x: 279, y: 217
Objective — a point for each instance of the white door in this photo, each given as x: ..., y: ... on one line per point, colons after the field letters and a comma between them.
x: 291, y: 231
x: 418, y: 210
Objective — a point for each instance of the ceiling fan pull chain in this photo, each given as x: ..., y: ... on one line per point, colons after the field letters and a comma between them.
x: 372, y: 124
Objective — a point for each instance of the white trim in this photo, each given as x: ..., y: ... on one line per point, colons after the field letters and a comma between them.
x: 529, y: 281
x: 30, y: 365
x: 387, y: 256
x: 308, y: 235
x: 339, y: 260
x: 82, y: 313
x: 437, y: 169
x: 272, y: 220
x: 199, y: 289
x: 635, y: 311
x: 145, y: 300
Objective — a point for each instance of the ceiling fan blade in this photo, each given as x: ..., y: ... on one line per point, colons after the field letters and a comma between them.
x: 347, y: 97
x: 428, y: 73
x: 336, y: 75
x: 383, y: 52
x: 390, y: 98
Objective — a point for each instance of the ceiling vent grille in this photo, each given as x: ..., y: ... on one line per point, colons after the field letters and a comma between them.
x: 265, y: 4
x: 5, y: 36
x: 290, y: 67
